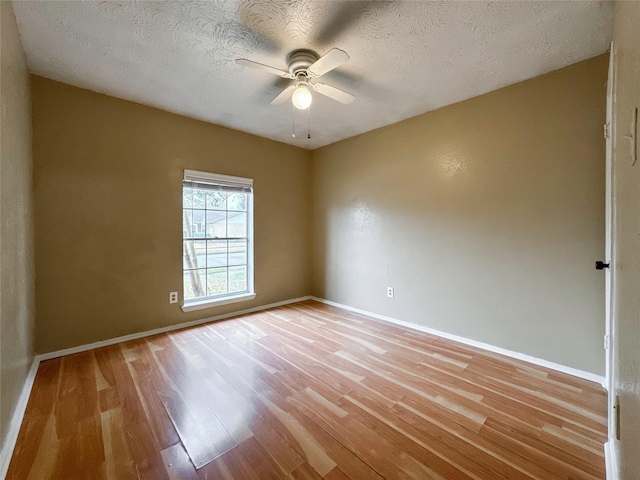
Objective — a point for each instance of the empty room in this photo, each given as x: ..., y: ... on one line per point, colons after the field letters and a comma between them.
x: 264, y: 239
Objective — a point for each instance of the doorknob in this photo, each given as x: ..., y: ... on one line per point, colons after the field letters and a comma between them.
x: 601, y: 265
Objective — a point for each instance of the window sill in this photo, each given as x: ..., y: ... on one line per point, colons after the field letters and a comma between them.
x: 190, y: 307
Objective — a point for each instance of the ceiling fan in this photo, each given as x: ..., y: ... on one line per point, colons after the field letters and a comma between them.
x: 304, y: 67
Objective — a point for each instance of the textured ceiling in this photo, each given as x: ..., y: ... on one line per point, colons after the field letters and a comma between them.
x: 406, y: 57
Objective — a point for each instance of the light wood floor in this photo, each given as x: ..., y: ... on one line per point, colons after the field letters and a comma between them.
x: 306, y: 391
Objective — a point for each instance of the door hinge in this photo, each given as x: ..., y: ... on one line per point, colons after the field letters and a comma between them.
x: 616, y: 412
x: 607, y: 341
x: 607, y: 130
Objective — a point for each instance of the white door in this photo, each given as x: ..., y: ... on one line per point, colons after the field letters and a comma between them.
x: 608, y: 249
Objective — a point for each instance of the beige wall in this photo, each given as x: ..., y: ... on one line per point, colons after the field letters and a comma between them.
x: 16, y: 221
x: 108, y: 182
x: 485, y: 216
x: 626, y: 268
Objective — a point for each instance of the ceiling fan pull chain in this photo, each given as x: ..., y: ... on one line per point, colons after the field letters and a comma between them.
x: 309, y: 123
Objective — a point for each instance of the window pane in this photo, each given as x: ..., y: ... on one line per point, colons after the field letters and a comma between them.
x: 237, y: 201
x: 194, y: 220
x: 194, y: 284
x: 187, y: 254
x: 237, y: 224
x: 216, y: 253
x: 216, y: 281
x: 237, y: 279
x: 200, y: 250
x: 216, y: 224
x: 198, y: 198
x: 188, y: 287
x: 237, y: 252
x: 216, y: 200
x: 187, y: 223
x: 186, y: 197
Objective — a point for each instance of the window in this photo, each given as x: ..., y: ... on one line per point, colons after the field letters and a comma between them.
x: 217, y: 232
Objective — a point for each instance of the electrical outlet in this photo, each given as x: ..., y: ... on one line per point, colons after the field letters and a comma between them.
x: 390, y: 292
x: 173, y: 297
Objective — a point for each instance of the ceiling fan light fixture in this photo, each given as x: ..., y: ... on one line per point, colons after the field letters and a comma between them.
x: 305, y: 65
x: 302, y: 97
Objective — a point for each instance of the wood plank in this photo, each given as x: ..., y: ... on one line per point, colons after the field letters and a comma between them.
x: 428, y: 422
x: 178, y: 463
x: 164, y: 432
x: 108, y: 399
x: 305, y: 472
x: 281, y: 452
x: 201, y: 433
x: 119, y: 463
x: 140, y: 438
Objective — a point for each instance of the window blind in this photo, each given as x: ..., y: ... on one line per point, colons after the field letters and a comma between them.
x: 210, y: 181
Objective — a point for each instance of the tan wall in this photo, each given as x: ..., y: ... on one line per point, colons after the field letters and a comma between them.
x: 626, y: 268
x: 108, y: 182
x: 485, y: 216
x: 16, y: 221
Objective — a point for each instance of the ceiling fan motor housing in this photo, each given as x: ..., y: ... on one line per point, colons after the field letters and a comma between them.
x: 300, y: 60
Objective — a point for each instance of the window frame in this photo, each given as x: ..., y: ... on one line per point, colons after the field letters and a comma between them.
x: 225, y: 181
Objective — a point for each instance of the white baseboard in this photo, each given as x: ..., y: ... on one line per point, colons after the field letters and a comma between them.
x: 610, y: 460
x: 467, y: 341
x: 16, y: 420
x: 148, y: 333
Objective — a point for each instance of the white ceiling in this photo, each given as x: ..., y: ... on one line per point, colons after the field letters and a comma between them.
x: 406, y: 57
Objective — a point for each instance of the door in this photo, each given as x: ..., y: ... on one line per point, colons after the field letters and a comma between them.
x: 609, y: 218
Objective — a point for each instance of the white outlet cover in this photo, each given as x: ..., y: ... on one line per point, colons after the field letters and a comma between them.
x: 173, y: 297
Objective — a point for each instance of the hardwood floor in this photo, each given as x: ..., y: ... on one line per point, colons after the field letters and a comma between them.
x: 306, y: 391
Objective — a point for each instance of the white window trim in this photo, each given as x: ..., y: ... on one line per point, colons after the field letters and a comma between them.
x: 192, y: 306
x: 204, y: 177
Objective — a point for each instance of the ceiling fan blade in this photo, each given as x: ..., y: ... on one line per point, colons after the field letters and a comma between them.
x: 334, y: 93
x: 266, y: 68
x: 283, y: 96
x: 332, y: 59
